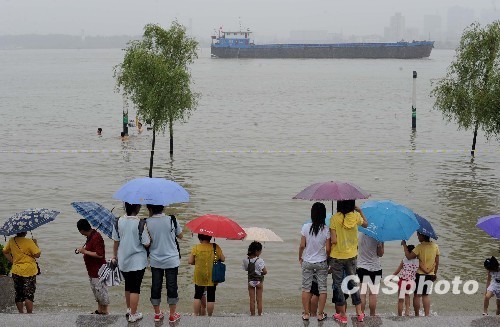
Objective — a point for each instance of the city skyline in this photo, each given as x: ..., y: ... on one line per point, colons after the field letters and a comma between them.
x: 272, y: 18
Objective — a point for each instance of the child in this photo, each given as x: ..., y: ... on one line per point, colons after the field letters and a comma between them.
x: 492, y: 284
x: 407, y: 272
x: 256, y: 270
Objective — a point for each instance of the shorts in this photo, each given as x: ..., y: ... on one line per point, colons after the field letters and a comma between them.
x: 495, y: 289
x: 200, y: 290
x: 100, y: 291
x: 25, y: 287
x: 362, y: 272
x: 419, y: 283
x: 133, y: 280
x: 318, y: 269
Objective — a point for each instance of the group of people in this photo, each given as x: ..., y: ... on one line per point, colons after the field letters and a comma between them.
x: 337, y: 249
x: 156, y: 238
x: 341, y: 250
x: 137, y: 243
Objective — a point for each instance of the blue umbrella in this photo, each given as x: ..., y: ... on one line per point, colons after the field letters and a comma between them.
x: 388, y: 221
x: 27, y: 220
x: 99, y: 216
x: 147, y: 190
x: 425, y: 227
x: 491, y: 225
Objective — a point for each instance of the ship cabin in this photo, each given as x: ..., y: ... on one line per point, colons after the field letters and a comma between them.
x: 232, y: 39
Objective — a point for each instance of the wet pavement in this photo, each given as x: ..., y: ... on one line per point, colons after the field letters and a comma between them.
x: 281, y: 320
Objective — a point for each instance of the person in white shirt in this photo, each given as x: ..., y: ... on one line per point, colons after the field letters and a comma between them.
x: 369, y: 270
x: 315, y: 243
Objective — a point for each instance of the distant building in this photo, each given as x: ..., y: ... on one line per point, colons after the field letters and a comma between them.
x: 458, y: 19
x: 396, y: 29
x: 433, y: 30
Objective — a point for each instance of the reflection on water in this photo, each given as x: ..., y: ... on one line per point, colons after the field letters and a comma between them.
x: 57, y: 99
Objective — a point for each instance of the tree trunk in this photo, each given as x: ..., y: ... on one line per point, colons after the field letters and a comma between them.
x: 171, y: 129
x: 472, y: 152
x: 152, y: 154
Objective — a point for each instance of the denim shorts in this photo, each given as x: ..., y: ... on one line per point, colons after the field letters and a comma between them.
x: 318, y: 269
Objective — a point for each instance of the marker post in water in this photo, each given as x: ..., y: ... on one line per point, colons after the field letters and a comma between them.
x: 414, y: 102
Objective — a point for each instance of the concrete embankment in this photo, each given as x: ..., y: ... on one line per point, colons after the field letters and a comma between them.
x: 281, y: 320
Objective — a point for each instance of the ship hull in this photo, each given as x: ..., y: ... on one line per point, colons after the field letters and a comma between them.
x: 370, y: 51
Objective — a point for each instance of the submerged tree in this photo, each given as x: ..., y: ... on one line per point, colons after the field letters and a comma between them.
x: 470, y: 92
x: 155, y: 76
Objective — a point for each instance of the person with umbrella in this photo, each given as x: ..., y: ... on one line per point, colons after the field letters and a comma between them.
x: 164, y: 259
x: 94, y: 257
x: 129, y: 249
x: 202, y: 257
x: 22, y: 253
x: 315, y: 243
x: 344, y: 233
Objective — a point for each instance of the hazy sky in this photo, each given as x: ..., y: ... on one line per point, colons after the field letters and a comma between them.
x: 269, y: 17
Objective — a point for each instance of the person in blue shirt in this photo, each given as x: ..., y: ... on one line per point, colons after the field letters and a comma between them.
x: 164, y: 259
x: 130, y: 250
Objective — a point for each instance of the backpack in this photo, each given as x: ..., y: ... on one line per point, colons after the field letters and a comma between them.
x: 142, y: 223
x: 173, y: 222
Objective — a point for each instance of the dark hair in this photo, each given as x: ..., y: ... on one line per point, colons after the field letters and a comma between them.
x: 254, y: 247
x: 99, y: 129
x: 122, y: 134
x: 346, y: 206
x: 318, y: 215
x: 21, y: 234
x: 203, y: 237
x: 132, y: 209
x: 83, y: 225
x: 156, y: 208
x: 410, y: 248
x: 491, y: 264
x: 426, y: 238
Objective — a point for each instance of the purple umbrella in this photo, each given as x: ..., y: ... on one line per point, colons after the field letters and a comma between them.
x: 332, y: 191
x: 491, y: 225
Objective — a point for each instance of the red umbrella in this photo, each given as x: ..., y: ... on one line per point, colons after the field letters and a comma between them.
x: 216, y: 226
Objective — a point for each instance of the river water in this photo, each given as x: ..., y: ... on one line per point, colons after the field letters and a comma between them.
x: 263, y: 130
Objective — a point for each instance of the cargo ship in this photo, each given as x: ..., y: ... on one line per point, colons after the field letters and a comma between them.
x: 239, y: 45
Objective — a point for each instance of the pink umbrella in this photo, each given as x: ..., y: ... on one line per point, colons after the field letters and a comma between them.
x: 332, y: 191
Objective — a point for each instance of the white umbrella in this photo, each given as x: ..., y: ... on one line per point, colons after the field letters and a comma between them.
x: 109, y: 274
x: 261, y: 234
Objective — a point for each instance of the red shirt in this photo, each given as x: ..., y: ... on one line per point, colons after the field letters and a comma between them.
x: 95, y: 243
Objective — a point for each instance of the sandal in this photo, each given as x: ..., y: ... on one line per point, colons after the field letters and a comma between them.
x: 304, y: 315
x: 323, y: 316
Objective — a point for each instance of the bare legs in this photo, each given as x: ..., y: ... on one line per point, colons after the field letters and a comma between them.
x: 255, y: 294
x: 27, y: 303
x: 406, y: 302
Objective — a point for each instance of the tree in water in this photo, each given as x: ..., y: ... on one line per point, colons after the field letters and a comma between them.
x: 470, y: 92
x: 155, y: 76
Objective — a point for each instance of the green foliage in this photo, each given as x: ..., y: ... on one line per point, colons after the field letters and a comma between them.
x: 5, y: 265
x: 470, y: 92
x: 155, y: 76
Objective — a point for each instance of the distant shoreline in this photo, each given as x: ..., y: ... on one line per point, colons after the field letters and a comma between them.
x: 62, y: 41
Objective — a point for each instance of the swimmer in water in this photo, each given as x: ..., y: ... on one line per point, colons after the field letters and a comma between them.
x: 124, y: 136
x: 139, y: 128
x: 99, y: 131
